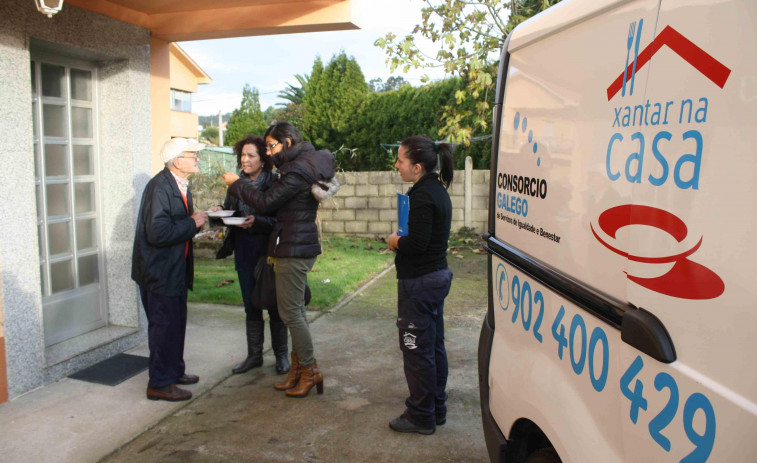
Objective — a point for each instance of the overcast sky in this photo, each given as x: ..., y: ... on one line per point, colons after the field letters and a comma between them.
x: 270, y: 63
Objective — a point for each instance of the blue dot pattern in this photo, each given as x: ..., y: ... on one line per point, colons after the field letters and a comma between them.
x: 522, y: 123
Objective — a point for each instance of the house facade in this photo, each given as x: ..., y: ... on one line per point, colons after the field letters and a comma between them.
x: 87, y: 103
x: 184, y: 77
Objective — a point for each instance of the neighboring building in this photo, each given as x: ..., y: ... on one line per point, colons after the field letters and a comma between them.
x: 184, y: 75
x: 87, y: 105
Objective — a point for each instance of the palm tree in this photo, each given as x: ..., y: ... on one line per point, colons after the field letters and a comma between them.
x: 295, y: 95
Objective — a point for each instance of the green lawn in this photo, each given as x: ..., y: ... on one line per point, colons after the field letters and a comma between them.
x: 346, y: 263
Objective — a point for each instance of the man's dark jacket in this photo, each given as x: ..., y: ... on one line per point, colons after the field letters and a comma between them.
x: 295, y: 233
x: 164, y: 226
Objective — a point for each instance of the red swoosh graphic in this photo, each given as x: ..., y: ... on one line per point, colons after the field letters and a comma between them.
x: 611, y: 220
x: 683, y: 47
x: 646, y: 260
x: 686, y: 280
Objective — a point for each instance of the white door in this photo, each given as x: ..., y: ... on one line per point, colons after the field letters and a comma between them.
x: 68, y: 213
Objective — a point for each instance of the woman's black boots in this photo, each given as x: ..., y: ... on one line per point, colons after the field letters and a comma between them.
x: 280, y: 347
x: 254, y: 347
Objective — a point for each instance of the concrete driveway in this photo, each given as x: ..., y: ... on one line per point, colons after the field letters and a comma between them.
x: 244, y: 419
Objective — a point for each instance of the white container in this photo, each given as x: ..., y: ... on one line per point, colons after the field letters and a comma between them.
x: 234, y: 220
x: 220, y: 214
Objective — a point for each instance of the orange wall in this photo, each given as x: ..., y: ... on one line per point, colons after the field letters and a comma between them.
x: 182, y: 78
x: 184, y: 124
x: 160, y: 97
x: 3, y: 372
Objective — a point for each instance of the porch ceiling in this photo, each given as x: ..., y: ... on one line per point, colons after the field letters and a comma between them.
x: 182, y: 20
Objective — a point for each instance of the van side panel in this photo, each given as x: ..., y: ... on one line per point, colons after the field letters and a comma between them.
x: 624, y: 179
x: 553, y: 364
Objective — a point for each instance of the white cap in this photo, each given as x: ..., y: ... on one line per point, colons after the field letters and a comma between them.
x: 175, y: 146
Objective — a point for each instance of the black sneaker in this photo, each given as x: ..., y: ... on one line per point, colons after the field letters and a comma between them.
x: 440, y: 420
x: 402, y: 424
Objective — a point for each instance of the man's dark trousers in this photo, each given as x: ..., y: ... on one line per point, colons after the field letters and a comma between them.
x: 421, y: 331
x: 166, y: 327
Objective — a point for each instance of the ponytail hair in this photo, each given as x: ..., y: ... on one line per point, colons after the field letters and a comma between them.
x: 432, y: 156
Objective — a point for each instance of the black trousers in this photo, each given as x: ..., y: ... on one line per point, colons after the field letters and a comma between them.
x: 166, y: 327
x: 420, y: 320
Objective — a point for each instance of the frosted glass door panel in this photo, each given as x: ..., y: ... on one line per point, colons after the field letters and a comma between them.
x: 81, y: 85
x: 68, y: 215
x: 58, y: 200
x: 62, y: 276
x: 56, y: 160
x: 54, y: 120
x: 52, y: 80
x: 88, y: 273
x: 59, y: 238
x: 85, y: 197
x: 86, y: 234
x: 81, y: 122
x: 83, y: 162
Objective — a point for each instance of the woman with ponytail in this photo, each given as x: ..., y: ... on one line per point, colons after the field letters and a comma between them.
x: 424, y: 281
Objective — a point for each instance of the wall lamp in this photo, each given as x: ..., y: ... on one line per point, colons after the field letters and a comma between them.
x: 49, y: 7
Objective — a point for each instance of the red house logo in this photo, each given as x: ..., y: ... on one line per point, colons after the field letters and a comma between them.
x: 680, y: 45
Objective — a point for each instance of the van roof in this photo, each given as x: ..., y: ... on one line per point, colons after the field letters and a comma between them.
x: 560, y: 16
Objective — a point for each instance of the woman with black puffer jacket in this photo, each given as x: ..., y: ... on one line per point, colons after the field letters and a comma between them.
x: 293, y: 242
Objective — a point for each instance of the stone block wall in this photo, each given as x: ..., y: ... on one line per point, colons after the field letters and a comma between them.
x: 366, y: 203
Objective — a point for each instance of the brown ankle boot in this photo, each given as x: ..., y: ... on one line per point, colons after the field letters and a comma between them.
x: 292, y: 378
x: 309, y: 376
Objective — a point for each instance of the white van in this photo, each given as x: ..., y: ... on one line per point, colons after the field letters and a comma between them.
x: 622, y: 318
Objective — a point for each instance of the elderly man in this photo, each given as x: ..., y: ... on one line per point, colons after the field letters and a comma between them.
x: 163, y: 268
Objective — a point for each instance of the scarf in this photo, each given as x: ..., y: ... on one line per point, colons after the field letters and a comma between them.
x: 258, y: 184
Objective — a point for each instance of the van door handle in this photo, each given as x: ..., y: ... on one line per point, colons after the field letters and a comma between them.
x: 644, y: 331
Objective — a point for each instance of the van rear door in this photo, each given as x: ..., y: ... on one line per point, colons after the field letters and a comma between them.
x: 688, y: 154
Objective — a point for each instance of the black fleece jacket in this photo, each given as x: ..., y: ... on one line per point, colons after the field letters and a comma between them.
x: 424, y: 249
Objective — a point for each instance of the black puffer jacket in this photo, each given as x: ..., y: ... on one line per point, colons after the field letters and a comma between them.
x: 295, y: 233
x: 164, y: 227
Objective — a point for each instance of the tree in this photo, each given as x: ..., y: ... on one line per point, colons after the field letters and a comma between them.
x: 210, y: 134
x: 395, y: 83
x: 377, y: 85
x: 386, y: 118
x: 247, y: 119
x: 333, y: 96
x: 470, y: 36
x: 294, y: 110
x: 295, y: 95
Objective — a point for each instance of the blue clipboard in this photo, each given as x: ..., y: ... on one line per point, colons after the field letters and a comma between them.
x: 403, y: 211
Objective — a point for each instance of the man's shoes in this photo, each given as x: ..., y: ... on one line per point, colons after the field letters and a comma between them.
x: 188, y: 379
x: 402, y: 424
x: 171, y: 393
x: 440, y: 420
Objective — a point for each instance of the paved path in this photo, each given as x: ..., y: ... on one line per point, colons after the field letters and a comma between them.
x: 244, y: 419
